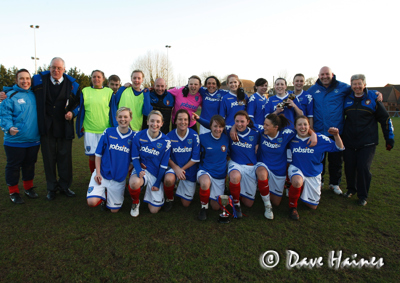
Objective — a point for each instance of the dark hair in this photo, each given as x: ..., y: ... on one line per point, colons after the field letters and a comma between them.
x: 99, y: 72
x: 186, y: 93
x: 299, y: 75
x: 21, y: 71
x: 215, y: 78
x: 278, y: 120
x: 114, y: 78
x: 244, y: 113
x: 301, y: 117
x: 281, y: 79
x: 218, y: 119
x: 259, y: 82
x: 240, y: 92
x: 179, y: 112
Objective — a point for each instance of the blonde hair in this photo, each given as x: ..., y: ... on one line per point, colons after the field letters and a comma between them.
x: 155, y: 112
x: 124, y: 109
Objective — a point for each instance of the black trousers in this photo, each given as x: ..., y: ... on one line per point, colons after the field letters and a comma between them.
x: 357, y: 163
x: 20, y: 159
x: 335, y: 160
x: 57, y: 158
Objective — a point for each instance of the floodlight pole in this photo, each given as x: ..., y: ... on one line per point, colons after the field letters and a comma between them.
x: 34, y: 34
x: 167, y: 46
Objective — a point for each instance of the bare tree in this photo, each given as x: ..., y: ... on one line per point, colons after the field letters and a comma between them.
x: 205, y: 75
x: 180, y: 81
x: 310, y: 80
x: 285, y: 74
x: 154, y: 65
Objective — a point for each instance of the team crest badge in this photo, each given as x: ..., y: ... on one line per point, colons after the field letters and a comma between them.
x: 196, y: 98
x: 368, y: 101
x: 190, y: 141
x: 251, y: 138
x: 129, y: 142
x: 218, y: 95
x: 90, y: 189
x: 223, y: 148
x: 159, y: 145
x: 167, y: 102
x: 336, y: 90
x: 279, y: 140
x: 88, y: 148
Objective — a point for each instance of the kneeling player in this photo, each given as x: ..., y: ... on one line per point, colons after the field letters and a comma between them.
x: 151, y: 148
x: 306, y: 166
x: 185, y: 153
x: 113, y: 156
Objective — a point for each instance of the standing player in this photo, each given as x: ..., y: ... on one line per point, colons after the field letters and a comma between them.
x: 241, y: 170
x: 135, y: 98
x: 94, y: 114
x: 212, y: 97
x: 113, y: 156
x: 185, y: 154
x: 234, y: 101
x: 306, y: 166
x: 212, y: 168
x: 305, y: 99
x: 114, y: 82
x: 257, y: 101
x: 187, y: 97
x: 151, y: 148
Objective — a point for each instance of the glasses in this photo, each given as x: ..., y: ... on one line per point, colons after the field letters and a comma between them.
x: 57, y: 68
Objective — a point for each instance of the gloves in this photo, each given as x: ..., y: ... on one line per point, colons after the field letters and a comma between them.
x: 185, y: 91
x: 389, y: 144
x: 240, y: 94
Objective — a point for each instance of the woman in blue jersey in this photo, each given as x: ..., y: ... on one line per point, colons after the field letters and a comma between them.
x: 257, y: 101
x: 94, y: 114
x: 212, y: 97
x: 185, y: 154
x: 241, y: 170
x: 276, y: 104
x: 212, y: 168
x: 151, y: 148
x: 113, y: 158
x: 306, y: 166
x: 233, y: 101
x: 18, y: 120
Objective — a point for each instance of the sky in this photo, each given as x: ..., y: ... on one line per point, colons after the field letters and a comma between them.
x: 252, y: 38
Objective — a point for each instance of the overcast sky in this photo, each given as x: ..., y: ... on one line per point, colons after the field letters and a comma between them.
x: 250, y: 38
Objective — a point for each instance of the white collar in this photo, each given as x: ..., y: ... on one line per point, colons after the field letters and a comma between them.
x: 54, y: 81
x: 179, y: 137
x: 151, y: 139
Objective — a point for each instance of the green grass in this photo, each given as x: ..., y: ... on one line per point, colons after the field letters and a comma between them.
x: 65, y: 240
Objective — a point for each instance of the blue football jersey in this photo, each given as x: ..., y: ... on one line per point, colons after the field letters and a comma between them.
x: 243, y: 152
x: 211, y: 102
x: 255, y: 108
x: 309, y: 159
x: 153, y: 153
x: 185, y: 149
x: 214, y: 154
x: 272, y: 151
x: 289, y: 113
x: 114, y: 149
x: 229, y: 107
x: 307, y: 103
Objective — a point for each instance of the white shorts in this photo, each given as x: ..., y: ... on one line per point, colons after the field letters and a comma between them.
x: 115, y: 191
x: 155, y: 198
x: 276, y: 183
x: 248, y: 183
x: 311, y: 186
x: 186, y: 189
x: 91, y: 141
x: 217, y: 185
x: 203, y: 130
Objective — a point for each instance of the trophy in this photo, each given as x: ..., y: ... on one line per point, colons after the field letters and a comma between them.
x: 285, y: 102
x: 223, y: 201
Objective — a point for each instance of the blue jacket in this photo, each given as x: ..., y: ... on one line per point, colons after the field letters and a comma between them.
x: 362, y: 115
x: 19, y: 110
x: 328, y: 105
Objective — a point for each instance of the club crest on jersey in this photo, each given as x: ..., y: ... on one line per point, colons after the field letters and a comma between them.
x: 223, y: 148
x: 190, y: 141
x: 251, y: 138
x: 90, y: 189
x: 129, y: 142
x: 218, y: 95
x: 159, y: 145
x: 336, y: 90
x: 279, y: 140
x: 88, y: 148
x: 196, y: 98
x: 368, y: 101
x: 167, y: 102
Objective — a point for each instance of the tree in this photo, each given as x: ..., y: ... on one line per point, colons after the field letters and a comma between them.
x: 82, y: 79
x: 205, y: 75
x: 154, y: 65
x: 310, y: 81
x: 7, y: 76
x: 285, y: 74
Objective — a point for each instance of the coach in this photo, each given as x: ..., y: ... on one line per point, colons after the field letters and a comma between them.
x: 56, y: 95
